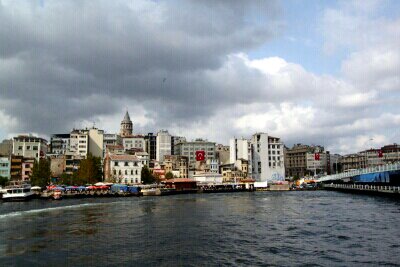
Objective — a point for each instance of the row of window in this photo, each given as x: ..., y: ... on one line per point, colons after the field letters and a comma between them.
x: 126, y: 163
x: 28, y: 148
x: 126, y: 172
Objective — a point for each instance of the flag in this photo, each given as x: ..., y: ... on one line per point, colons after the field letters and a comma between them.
x: 316, y: 156
x: 200, y: 155
x: 380, y: 154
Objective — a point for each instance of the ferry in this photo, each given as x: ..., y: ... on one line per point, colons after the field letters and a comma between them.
x: 18, y: 192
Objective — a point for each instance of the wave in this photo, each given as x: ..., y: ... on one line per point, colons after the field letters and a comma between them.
x: 35, y: 211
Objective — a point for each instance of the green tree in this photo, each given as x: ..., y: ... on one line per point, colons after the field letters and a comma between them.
x: 66, y: 178
x: 146, y: 176
x: 41, y: 173
x: 89, y: 171
x: 3, y: 181
x: 169, y: 175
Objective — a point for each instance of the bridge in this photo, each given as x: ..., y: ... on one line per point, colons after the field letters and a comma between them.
x: 378, y: 174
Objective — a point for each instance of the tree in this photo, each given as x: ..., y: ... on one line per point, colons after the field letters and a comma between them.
x: 3, y: 181
x: 66, y: 178
x: 41, y: 173
x: 89, y: 171
x: 169, y: 175
x: 146, y: 176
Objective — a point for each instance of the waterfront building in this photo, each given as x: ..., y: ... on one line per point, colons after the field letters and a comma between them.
x: 222, y: 153
x: 72, y: 162
x: 318, y: 162
x: 176, y: 140
x: 85, y: 141
x: 179, y: 165
x: 59, y: 143
x: 57, y: 165
x: 6, y: 147
x: 29, y: 146
x: 188, y: 149
x: 79, y: 143
x: 241, y: 149
x: 134, y: 142
x: 125, y: 169
x: 16, y: 168
x: 27, y: 167
x: 151, y: 145
x: 208, y: 178
x: 352, y: 161
x: 126, y: 126
x: 267, y: 158
x: 213, y: 165
x: 164, y: 141
x: 5, y: 167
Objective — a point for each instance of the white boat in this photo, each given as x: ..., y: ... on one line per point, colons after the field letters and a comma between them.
x: 20, y: 192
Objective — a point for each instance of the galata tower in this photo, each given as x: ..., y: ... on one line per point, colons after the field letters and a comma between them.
x: 126, y: 126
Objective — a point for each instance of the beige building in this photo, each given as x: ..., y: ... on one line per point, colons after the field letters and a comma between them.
x: 300, y: 161
x: 222, y: 153
x: 176, y: 164
x: 352, y: 161
x: 27, y: 167
x: 29, y: 146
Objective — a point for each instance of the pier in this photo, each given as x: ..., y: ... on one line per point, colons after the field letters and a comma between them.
x: 365, y: 189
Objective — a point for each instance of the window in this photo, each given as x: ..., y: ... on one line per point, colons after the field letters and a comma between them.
x: 126, y: 172
x: 28, y: 147
x: 19, y: 147
x: 119, y: 172
x: 135, y: 163
x: 136, y: 172
x: 115, y: 172
x: 131, y: 172
x: 136, y: 180
x: 126, y: 163
x: 35, y: 148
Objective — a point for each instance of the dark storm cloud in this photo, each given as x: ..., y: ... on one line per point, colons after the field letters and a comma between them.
x: 65, y: 61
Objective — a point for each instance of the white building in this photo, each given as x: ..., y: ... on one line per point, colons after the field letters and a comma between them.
x: 267, y: 158
x: 208, y: 178
x: 164, y: 141
x: 29, y: 146
x: 126, y: 169
x: 79, y: 143
x: 317, y: 166
x: 214, y: 165
x: 83, y: 142
x: 134, y: 142
x: 240, y: 149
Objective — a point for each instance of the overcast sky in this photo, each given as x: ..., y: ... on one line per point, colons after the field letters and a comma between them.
x: 314, y: 72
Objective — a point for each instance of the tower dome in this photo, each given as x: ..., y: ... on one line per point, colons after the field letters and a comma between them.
x: 126, y: 126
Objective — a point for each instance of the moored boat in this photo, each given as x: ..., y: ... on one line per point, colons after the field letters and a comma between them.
x: 18, y: 193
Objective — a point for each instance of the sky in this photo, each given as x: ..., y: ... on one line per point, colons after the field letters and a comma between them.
x: 312, y: 72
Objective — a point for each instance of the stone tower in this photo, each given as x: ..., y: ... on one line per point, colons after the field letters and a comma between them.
x: 126, y: 126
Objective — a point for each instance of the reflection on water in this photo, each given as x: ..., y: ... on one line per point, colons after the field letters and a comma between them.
x: 283, y: 228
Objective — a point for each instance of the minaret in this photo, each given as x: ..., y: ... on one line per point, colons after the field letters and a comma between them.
x: 126, y: 126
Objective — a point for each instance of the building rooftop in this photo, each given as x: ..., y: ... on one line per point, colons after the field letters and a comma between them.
x: 123, y: 157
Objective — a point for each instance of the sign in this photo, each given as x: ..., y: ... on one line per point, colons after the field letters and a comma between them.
x: 317, y: 156
x: 200, y: 155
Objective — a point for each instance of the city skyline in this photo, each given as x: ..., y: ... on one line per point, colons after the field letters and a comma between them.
x: 236, y: 70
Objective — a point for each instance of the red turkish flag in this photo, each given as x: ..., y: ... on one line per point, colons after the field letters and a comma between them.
x: 316, y: 156
x: 380, y: 154
x: 200, y: 155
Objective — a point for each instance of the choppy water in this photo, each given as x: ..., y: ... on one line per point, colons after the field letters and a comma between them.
x: 265, y: 228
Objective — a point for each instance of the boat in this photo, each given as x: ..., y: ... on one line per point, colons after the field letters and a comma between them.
x: 18, y: 192
x: 57, y: 195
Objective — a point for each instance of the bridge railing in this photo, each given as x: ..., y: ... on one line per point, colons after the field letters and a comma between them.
x: 364, y: 187
x: 382, y: 168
